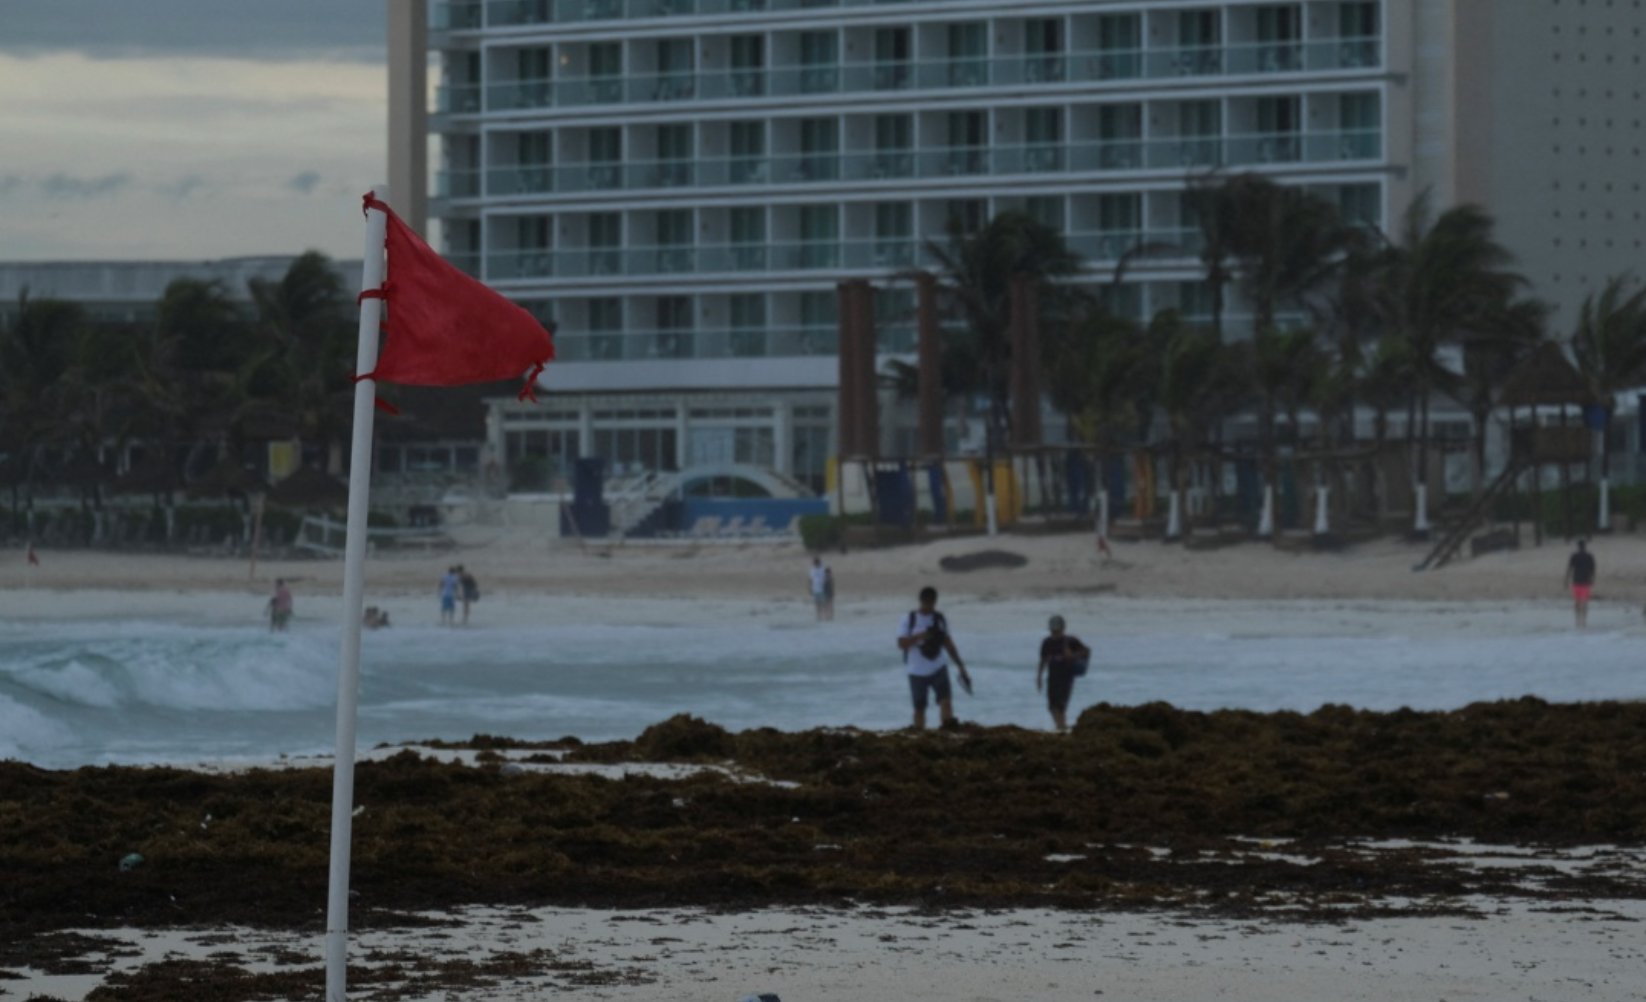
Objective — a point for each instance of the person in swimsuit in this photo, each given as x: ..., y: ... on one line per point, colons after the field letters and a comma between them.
x: 1580, y: 577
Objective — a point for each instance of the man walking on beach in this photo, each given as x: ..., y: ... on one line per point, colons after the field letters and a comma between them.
x: 819, y: 576
x: 1580, y: 577
x: 448, y: 597
x: 927, y: 648
x: 1062, y: 659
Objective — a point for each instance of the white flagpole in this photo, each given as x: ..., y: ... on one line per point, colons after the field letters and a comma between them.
x: 354, y: 592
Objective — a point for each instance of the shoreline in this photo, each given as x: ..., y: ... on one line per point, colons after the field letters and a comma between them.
x: 520, y: 561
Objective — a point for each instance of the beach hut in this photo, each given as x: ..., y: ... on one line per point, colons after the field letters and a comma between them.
x: 1549, y: 403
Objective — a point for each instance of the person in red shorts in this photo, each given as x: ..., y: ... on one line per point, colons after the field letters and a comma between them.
x: 1580, y: 577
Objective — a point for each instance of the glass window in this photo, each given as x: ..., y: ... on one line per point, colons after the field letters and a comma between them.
x: 532, y: 63
x: 819, y: 322
x: 893, y: 234
x: 967, y: 134
x: 1043, y: 45
x: 1360, y: 120
x: 1043, y: 138
x: 674, y: 154
x: 747, y: 225
x: 674, y: 328
x: 819, y: 146
x: 891, y: 58
x: 606, y: 328
x: 1279, y: 23
x: 1278, y: 121
x: 1358, y: 25
x: 748, y: 150
x: 1357, y: 19
x: 1279, y: 30
x: 606, y: 70
x: 1199, y: 41
x: 819, y: 61
x: 748, y: 322
x: 819, y: 236
x: 1199, y: 27
x: 532, y: 232
x: 968, y: 49
x: 748, y: 65
x: 1200, y: 128
x: 1119, y: 39
x: 674, y: 239
x: 606, y: 156
x: 535, y: 149
x: 1120, y: 133
x: 675, y: 79
x: 893, y: 137
x: 605, y: 243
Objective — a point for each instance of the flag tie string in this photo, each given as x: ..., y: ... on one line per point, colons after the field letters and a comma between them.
x: 529, y: 390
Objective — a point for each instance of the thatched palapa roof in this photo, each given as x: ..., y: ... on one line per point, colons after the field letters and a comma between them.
x: 1546, y: 378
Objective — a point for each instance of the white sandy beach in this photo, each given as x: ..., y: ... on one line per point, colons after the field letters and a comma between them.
x: 525, y: 575
x: 1509, y: 949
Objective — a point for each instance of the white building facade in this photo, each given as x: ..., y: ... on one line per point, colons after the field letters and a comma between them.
x: 681, y: 185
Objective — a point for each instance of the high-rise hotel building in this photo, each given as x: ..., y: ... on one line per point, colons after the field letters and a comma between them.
x: 682, y: 184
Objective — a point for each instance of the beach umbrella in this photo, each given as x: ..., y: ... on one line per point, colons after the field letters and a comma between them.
x: 310, y: 488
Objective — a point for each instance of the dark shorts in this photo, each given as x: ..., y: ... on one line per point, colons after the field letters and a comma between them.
x: 936, y: 683
x: 1059, y: 685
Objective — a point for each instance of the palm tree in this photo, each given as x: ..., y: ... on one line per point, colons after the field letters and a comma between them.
x: 1199, y: 383
x: 1098, y: 376
x: 975, y: 275
x: 306, y: 318
x: 1282, y: 368
x: 1609, y: 343
x: 1445, y: 280
x: 1282, y: 243
x: 974, y: 285
x: 35, y: 353
x: 192, y: 365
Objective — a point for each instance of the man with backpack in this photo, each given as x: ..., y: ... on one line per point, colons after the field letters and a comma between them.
x: 928, y: 648
x: 1062, y: 660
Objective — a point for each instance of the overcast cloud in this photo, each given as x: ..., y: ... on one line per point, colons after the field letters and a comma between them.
x: 298, y: 30
x: 189, y: 129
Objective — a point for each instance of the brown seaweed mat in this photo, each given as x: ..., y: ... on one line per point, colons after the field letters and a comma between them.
x: 1138, y: 807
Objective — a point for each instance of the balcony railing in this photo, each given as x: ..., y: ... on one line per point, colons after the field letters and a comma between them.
x: 765, y: 341
x: 1173, y: 154
x: 1123, y: 67
x: 877, y: 254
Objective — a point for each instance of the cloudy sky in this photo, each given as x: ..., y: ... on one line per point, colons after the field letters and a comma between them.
x: 188, y: 129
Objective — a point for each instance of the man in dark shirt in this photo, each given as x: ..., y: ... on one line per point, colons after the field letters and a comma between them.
x: 1580, y: 577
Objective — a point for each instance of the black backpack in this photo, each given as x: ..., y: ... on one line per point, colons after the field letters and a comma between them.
x: 930, y: 648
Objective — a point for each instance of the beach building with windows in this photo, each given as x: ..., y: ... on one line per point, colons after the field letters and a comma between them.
x: 682, y: 184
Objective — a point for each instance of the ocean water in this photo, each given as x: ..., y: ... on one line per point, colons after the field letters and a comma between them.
x: 135, y: 692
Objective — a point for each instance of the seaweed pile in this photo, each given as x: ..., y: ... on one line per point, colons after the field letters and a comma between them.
x: 1137, y: 807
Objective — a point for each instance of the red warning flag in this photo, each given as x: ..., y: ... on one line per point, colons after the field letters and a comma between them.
x: 444, y: 328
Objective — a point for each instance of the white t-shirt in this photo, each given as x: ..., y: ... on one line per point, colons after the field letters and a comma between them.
x: 918, y: 663
x: 818, y: 573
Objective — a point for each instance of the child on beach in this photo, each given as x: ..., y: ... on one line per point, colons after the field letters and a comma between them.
x: 280, y: 606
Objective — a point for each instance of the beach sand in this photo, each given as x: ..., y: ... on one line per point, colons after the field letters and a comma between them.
x: 1507, y: 946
